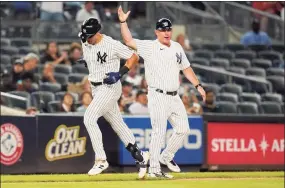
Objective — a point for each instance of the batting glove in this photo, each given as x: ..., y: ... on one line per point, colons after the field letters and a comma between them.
x: 112, y: 78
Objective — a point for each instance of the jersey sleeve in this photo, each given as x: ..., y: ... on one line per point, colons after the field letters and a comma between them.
x: 185, y: 62
x: 122, y: 51
x: 144, y: 47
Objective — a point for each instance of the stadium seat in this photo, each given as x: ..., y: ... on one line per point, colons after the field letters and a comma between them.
x: 195, y: 46
x: 254, y: 71
x: 250, y: 97
x: 272, y: 97
x: 74, y: 78
x: 59, y: 95
x: 212, y: 87
x: 218, y: 62
x: 277, y: 83
x: 52, y: 87
x: 80, y: 69
x: 230, y: 97
x: 283, y: 108
x: 40, y: 99
x: 245, y: 54
x: 5, y: 42
x: 24, y: 50
x: 259, y: 87
x: 200, y: 61
x: 203, y: 54
x: 224, y: 54
x: 243, y: 63
x: 270, y: 55
x: 234, y: 47
x: 61, y: 78
x: 20, y: 43
x: 19, y: 103
x: 212, y: 77
x: 226, y: 107
x: 54, y: 106
x: 247, y: 108
x: 257, y: 47
x: 261, y: 63
x: 77, y: 104
x: 66, y: 69
x: 245, y: 84
x: 5, y: 59
x: 269, y: 107
x: 275, y: 72
x: 212, y: 47
x: 37, y: 77
x: 237, y: 70
x: 9, y: 50
x: 278, y: 48
x: 231, y: 88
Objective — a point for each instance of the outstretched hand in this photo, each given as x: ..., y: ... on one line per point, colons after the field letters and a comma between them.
x: 123, y: 16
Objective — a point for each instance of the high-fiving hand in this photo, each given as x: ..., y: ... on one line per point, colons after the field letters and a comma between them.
x: 123, y: 16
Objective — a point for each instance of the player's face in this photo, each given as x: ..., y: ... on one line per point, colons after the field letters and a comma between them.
x: 164, y: 36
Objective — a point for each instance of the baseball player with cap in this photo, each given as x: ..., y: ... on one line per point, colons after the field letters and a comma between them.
x: 102, y: 56
x: 163, y: 60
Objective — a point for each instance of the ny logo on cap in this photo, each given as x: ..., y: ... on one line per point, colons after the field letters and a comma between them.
x: 179, y: 57
x: 165, y: 24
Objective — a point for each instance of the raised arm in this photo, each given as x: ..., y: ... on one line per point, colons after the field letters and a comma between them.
x: 126, y: 34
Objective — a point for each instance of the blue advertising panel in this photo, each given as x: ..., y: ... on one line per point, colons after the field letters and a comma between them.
x: 191, y: 153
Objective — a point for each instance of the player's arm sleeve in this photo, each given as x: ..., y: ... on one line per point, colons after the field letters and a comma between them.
x: 122, y: 51
x: 143, y: 48
x: 185, y: 62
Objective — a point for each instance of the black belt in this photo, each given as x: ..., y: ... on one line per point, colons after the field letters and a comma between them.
x: 172, y: 93
x: 96, y: 83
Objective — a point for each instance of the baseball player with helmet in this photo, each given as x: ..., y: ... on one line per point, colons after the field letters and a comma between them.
x: 163, y: 60
x: 102, y: 56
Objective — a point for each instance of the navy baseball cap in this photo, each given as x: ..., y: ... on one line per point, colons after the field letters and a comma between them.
x: 163, y: 24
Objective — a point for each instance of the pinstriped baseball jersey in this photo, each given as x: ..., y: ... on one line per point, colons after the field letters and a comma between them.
x: 104, y: 57
x: 162, y: 63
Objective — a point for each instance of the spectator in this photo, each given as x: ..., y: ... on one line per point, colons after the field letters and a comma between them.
x: 31, y: 62
x: 87, y: 12
x: 75, y: 53
x: 140, y: 106
x: 52, y: 55
x: 17, y: 72
x: 195, y: 107
x: 122, y: 105
x: 133, y: 77
x: 127, y: 92
x: 143, y: 84
x: 48, y: 73
x: 86, y: 98
x: 31, y: 111
x: 210, y: 105
x: 6, y: 80
x: 67, y: 103
x: 52, y: 11
x: 183, y: 42
x: 255, y: 36
x: 81, y: 87
x: 22, y: 9
x: 26, y: 84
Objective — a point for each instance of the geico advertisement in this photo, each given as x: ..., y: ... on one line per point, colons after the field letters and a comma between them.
x: 191, y: 151
x: 65, y: 144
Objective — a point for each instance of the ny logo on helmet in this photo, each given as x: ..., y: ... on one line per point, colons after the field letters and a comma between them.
x: 102, y: 58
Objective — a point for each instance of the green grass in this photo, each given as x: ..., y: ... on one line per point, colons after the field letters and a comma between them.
x: 181, y: 180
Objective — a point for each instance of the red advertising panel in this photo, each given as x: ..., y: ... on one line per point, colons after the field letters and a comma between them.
x: 245, y: 143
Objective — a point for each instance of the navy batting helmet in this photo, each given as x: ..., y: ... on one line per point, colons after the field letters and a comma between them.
x: 89, y: 28
x: 163, y: 24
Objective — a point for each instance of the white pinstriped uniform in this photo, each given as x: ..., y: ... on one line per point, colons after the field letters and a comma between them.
x: 162, y: 68
x: 105, y: 97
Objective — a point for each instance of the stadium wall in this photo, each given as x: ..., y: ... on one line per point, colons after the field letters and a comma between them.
x: 60, y: 143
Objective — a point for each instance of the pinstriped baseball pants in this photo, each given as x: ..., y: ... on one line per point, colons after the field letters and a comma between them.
x: 164, y: 107
x: 105, y: 104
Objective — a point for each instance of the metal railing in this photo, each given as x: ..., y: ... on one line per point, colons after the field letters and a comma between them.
x: 235, y: 75
x: 7, y: 99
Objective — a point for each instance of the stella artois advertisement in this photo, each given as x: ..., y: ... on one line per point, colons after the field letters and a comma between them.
x: 245, y: 144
